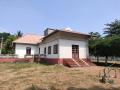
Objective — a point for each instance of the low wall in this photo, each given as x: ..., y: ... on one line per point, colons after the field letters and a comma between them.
x: 16, y: 59
x: 58, y: 60
x: 51, y: 60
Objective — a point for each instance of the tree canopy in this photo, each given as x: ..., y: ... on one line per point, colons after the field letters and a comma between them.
x: 7, y: 45
x: 112, y: 29
x: 108, y: 45
x: 4, y: 35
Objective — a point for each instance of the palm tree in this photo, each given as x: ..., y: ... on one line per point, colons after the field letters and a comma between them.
x: 19, y: 34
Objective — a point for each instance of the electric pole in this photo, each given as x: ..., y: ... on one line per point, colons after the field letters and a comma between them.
x: 1, y: 45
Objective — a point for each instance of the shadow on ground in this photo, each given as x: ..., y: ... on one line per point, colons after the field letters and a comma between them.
x: 108, y: 64
x: 93, y: 88
x: 73, y: 88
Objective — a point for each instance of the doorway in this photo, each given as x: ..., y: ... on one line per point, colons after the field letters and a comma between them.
x: 75, y: 52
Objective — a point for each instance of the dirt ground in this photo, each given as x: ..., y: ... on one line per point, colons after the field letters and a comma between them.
x: 32, y: 76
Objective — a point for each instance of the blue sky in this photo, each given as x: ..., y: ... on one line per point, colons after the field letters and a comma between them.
x: 33, y: 16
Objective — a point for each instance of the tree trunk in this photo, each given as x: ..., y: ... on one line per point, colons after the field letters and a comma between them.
x: 106, y: 60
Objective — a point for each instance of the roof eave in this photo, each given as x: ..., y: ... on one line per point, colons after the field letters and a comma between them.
x: 87, y: 35
x: 25, y: 43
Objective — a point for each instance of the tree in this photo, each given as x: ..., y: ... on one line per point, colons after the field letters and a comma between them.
x: 4, y: 35
x: 108, y: 45
x: 19, y: 34
x: 7, y: 41
x: 112, y: 28
x: 8, y: 47
x: 115, y: 46
x: 103, y: 48
x: 95, y: 35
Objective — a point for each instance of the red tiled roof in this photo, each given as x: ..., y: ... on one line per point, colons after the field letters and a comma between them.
x: 35, y: 39
x: 29, y: 39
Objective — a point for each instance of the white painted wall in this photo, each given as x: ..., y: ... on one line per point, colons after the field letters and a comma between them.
x: 42, y: 46
x: 65, y: 48
x: 20, y: 50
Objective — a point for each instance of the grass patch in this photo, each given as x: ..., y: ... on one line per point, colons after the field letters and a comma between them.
x: 19, y: 66
x: 35, y: 76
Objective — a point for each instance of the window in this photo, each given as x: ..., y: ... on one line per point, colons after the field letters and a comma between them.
x: 45, y: 50
x: 39, y: 50
x: 28, y: 50
x: 75, y: 48
x: 49, y: 50
x: 55, y: 49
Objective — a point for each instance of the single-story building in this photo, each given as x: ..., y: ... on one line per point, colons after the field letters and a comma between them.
x: 56, y: 47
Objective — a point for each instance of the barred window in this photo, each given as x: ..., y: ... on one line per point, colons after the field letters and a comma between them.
x: 49, y: 49
x: 55, y: 49
x: 28, y: 50
x: 45, y: 50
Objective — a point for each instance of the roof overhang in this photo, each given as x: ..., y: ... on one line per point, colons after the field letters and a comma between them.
x: 69, y: 32
x: 25, y: 43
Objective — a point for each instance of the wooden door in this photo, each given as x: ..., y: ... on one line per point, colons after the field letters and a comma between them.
x: 75, y: 52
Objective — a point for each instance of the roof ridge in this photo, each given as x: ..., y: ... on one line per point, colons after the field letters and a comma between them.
x: 32, y: 34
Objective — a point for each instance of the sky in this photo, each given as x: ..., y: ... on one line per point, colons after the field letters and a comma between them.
x: 34, y: 16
